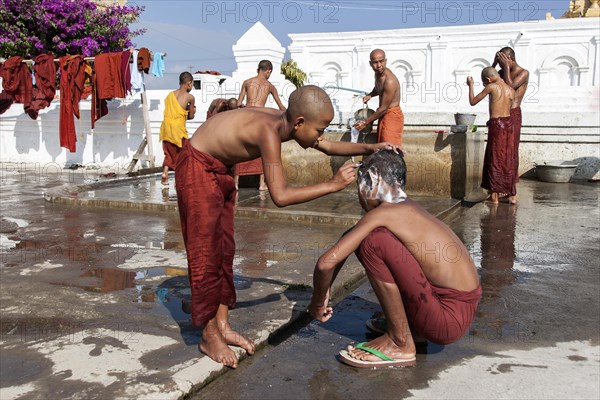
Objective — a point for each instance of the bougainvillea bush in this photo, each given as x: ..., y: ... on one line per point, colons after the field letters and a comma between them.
x: 32, y: 27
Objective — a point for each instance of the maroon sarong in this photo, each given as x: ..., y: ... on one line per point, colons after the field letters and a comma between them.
x: 171, y: 152
x: 439, y: 314
x: 499, y: 161
x: 517, y: 121
x: 206, y: 196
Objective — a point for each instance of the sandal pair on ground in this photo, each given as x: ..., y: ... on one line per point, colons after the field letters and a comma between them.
x: 377, y: 326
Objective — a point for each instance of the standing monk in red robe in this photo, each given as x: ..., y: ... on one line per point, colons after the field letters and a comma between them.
x: 257, y: 91
x: 389, y: 113
x: 179, y: 107
x: 498, y: 163
x: 516, y: 77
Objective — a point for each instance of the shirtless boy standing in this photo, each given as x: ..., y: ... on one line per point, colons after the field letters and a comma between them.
x: 516, y: 77
x: 257, y: 91
x: 499, y: 176
x: 435, y: 295
x: 206, y: 196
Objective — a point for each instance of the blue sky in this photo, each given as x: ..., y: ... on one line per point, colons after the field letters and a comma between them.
x: 198, y: 35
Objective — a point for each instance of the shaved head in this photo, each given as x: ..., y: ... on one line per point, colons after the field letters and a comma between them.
x: 377, y: 53
x: 232, y: 103
x: 310, y: 102
x: 488, y: 72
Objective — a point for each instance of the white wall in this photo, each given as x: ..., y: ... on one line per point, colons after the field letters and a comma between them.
x: 433, y: 63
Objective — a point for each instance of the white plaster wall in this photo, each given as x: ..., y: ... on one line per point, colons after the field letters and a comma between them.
x: 433, y: 63
x: 561, y: 119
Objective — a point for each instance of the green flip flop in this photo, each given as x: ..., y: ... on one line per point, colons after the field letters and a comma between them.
x: 386, y: 361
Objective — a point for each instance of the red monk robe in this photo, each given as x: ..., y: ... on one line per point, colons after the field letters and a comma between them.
x: 6, y: 99
x: 44, y: 70
x: 16, y: 80
x: 72, y: 86
x: 517, y: 121
x: 439, y: 314
x: 498, y: 163
x: 206, y: 197
x: 391, y: 126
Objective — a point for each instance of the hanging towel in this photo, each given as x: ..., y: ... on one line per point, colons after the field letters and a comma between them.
x: 137, y: 78
x: 158, y: 65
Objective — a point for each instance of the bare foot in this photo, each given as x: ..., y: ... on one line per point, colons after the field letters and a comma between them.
x: 512, y: 199
x: 263, y: 185
x: 385, y: 345
x: 235, y: 339
x: 213, y: 344
x: 164, y: 179
x: 493, y: 199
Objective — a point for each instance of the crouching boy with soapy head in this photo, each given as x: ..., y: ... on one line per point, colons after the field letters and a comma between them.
x: 434, y: 295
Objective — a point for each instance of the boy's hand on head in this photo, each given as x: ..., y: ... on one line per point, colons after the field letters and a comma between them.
x: 502, y: 59
x: 389, y: 146
x: 345, y: 175
x: 469, y: 81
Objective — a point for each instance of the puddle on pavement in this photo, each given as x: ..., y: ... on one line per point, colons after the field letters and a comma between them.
x: 103, y: 280
x: 149, y: 190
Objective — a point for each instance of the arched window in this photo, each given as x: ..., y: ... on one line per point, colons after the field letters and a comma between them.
x: 331, y: 74
x: 404, y: 72
x: 564, y: 72
x: 475, y: 67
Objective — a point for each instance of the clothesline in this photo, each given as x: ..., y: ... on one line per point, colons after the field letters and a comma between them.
x: 93, y: 58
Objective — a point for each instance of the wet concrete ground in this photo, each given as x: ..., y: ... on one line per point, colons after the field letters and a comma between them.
x: 535, y: 334
x: 94, y: 300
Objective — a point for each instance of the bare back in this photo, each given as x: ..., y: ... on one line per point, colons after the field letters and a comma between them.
x: 183, y: 98
x: 238, y: 135
x: 441, y: 254
x: 257, y: 91
x: 501, y: 99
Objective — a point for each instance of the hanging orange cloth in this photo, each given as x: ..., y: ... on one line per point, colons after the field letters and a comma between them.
x: 143, y: 60
x: 73, y: 71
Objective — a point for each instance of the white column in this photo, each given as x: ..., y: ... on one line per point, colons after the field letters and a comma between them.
x: 596, y: 62
x: 437, y: 63
x: 363, y: 76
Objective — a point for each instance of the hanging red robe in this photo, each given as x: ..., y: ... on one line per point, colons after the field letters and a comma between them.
x: 16, y: 80
x: 6, y: 99
x: 44, y: 90
x: 72, y: 86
